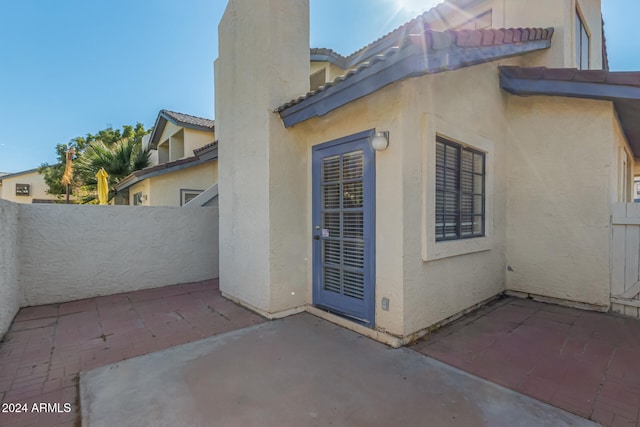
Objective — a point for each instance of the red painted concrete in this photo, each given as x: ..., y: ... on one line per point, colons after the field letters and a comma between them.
x: 584, y: 362
x: 47, y: 346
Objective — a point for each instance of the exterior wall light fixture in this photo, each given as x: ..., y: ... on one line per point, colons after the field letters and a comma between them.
x: 380, y: 141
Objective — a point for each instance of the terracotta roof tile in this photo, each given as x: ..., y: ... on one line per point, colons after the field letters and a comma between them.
x: 438, y: 40
x: 205, y: 147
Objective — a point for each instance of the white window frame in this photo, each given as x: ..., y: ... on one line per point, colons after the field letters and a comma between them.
x: 580, y: 23
x: 184, y: 192
x: 432, y: 249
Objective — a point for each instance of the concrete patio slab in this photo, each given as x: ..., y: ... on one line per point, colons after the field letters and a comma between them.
x: 300, y: 371
x: 47, y: 346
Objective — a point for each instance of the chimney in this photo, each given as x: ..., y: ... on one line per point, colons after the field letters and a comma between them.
x: 263, y: 62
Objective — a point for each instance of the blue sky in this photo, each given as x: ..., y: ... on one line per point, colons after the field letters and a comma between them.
x: 72, y: 67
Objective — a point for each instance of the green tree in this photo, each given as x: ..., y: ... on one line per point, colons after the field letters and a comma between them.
x: 83, y: 182
x: 119, y: 160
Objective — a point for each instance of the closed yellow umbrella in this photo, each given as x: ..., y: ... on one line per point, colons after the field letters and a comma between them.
x: 103, y: 186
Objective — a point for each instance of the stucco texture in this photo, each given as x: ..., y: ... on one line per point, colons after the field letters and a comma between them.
x: 75, y: 252
x: 262, y: 186
x: 266, y: 182
x: 10, y: 293
x: 559, y: 218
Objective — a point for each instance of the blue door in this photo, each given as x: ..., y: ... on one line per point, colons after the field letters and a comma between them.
x: 344, y: 227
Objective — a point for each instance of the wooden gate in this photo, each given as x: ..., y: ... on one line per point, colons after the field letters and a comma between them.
x: 625, y: 259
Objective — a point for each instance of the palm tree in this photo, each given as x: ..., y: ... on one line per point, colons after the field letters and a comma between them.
x: 119, y: 160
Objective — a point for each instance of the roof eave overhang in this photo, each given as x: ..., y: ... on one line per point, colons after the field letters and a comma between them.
x: 625, y: 98
x: 410, y: 61
x: 609, y: 92
x: 134, y: 179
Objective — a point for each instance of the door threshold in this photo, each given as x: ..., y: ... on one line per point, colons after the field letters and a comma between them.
x: 383, y: 337
x: 363, y: 322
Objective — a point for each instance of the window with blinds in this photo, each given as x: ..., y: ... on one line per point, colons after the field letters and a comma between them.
x: 460, y: 191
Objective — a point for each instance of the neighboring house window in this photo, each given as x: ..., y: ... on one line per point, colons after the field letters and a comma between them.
x: 460, y: 191
x: 187, y: 195
x: 582, y: 44
x: 137, y: 199
x: 23, y: 189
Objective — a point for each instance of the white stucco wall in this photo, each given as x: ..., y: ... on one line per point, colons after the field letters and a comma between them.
x: 558, y: 217
x: 75, y: 252
x: 10, y: 293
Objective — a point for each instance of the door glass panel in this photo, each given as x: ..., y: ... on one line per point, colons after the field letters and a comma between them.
x: 331, y: 223
x: 342, y: 216
x: 353, y: 165
x: 331, y: 169
x: 331, y: 196
x: 332, y: 252
x: 332, y: 280
x: 354, y: 285
x: 353, y: 224
x: 352, y: 195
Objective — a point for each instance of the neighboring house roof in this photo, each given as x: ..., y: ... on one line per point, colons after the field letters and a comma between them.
x: 623, y: 88
x: 415, y: 54
x: 209, y: 151
x: 328, y: 55
x: 160, y: 169
x: 11, y: 175
x: 178, y: 119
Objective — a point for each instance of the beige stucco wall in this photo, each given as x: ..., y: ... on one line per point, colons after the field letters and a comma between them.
x: 143, y: 187
x: 559, y: 14
x: 75, y: 252
x: 444, y: 278
x: 380, y: 110
x: 622, y: 188
x: 559, y: 220
x: 10, y: 292
x: 190, y: 138
x: 424, y: 286
x: 266, y: 188
x: 331, y: 71
x: 38, y: 188
x: 262, y: 189
x: 194, y: 138
x: 164, y: 190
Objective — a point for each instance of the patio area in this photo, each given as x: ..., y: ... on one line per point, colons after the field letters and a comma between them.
x: 584, y: 362
x: 47, y: 346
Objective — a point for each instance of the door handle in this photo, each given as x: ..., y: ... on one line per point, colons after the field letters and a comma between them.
x: 316, y: 237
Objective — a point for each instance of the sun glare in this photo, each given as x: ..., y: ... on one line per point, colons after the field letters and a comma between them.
x: 416, y: 6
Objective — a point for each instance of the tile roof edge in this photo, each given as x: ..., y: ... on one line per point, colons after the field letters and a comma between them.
x: 173, y: 113
x: 439, y: 40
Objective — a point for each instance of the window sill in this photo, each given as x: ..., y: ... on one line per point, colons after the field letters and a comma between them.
x: 451, y: 248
